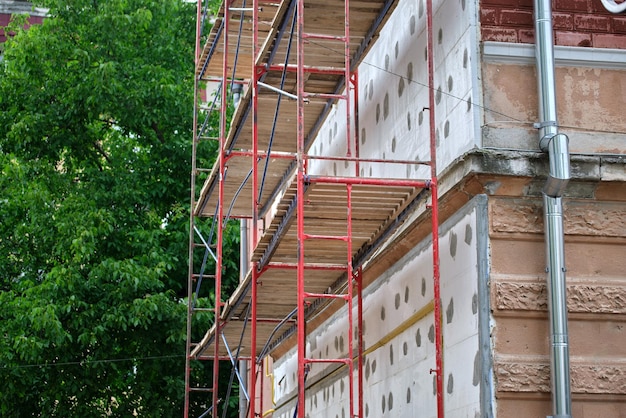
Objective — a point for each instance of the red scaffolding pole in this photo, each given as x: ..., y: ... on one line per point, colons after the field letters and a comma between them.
x: 434, y: 213
x: 255, y: 206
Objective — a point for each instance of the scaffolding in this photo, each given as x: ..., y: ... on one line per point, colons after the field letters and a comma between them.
x: 287, y: 64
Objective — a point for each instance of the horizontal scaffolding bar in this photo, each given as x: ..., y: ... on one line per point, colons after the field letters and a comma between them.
x: 328, y: 360
x: 307, y: 266
x: 325, y: 296
x: 277, y: 90
x: 201, y: 245
x: 274, y: 321
x: 325, y: 96
x: 204, y: 276
x: 307, y: 69
x: 202, y: 357
x: 323, y: 36
x: 423, y: 184
x: 263, y: 154
x: 366, y: 160
x: 218, y: 79
x: 327, y: 237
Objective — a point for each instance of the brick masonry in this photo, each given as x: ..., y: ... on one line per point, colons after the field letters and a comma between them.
x: 5, y: 18
x: 582, y: 23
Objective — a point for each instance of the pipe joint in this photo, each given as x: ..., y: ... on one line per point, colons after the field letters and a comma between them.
x: 560, y: 340
x: 544, y: 142
x: 557, y: 146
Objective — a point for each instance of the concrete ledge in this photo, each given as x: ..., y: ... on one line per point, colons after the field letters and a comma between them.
x: 570, y: 56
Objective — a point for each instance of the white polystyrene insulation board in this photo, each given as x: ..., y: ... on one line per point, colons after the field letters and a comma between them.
x: 393, y: 110
x: 399, y: 370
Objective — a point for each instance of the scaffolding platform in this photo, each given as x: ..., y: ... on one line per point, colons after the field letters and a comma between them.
x: 373, y: 209
x: 277, y: 119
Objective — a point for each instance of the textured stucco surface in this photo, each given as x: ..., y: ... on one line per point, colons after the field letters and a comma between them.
x: 595, y: 235
x: 590, y: 107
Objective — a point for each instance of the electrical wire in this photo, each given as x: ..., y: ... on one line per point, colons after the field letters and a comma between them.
x: 87, y: 362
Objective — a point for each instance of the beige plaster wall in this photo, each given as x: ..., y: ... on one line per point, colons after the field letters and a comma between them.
x: 590, y: 103
x: 596, y: 291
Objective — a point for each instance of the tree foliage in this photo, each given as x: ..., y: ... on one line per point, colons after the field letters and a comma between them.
x: 95, y: 139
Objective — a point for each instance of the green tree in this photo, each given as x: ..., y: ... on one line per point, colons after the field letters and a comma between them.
x: 95, y: 139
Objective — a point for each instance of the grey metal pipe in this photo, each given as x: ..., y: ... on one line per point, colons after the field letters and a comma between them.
x: 243, y: 271
x: 550, y: 140
x: 556, y: 144
x: 557, y: 305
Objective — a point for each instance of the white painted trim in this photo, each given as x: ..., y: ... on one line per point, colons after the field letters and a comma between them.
x: 21, y: 7
x: 564, y: 56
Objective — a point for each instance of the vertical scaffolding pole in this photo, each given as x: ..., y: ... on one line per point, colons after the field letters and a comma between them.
x: 301, y: 333
x: 355, y: 86
x: 255, y: 205
x: 220, y: 215
x: 358, y: 275
x: 360, y: 377
x: 253, y: 336
x: 349, y: 278
x: 434, y: 214
x: 347, y: 77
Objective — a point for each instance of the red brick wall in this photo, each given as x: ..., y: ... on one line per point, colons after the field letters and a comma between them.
x: 5, y: 18
x: 576, y: 23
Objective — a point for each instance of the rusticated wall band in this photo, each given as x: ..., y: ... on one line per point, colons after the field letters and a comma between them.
x: 535, y: 377
x: 580, y: 218
x: 583, y: 298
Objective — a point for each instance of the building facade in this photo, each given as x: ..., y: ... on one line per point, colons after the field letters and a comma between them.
x: 494, y: 293
x: 497, y: 303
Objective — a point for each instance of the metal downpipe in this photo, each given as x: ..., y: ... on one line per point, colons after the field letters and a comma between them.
x: 556, y: 144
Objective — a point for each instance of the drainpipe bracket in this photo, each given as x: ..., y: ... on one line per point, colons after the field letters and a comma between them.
x: 539, y: 125
x: 559, y: 416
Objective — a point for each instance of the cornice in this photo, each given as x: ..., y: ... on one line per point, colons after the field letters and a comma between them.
x: 566, y: 56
